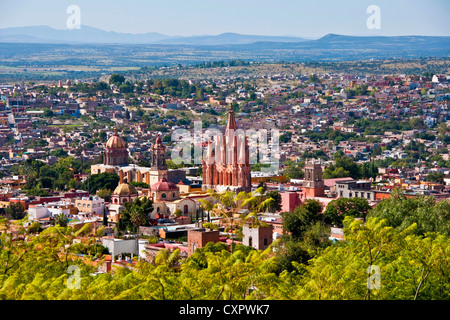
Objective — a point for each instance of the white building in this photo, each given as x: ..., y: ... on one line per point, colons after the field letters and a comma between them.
x: 36, y: 212
x: 56, y: 208
x: 118, y: 246
x: 90, y: 205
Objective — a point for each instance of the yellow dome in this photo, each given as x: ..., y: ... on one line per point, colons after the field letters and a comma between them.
x: 125, y: 189
x: 115, y: 141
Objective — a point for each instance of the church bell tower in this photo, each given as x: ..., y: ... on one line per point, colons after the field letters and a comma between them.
x: 313, y: 186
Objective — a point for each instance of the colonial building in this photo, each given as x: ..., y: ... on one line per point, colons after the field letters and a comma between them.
x: 166, y: 200
x: 116, y: 153
x: 258, y: 237
x: 313, y: 186
x: 124, y: 193
x: 158, y: 169
x: 355, y: 189
x: 115, y: 159
x: 90, y: 205
x: 228, y: 166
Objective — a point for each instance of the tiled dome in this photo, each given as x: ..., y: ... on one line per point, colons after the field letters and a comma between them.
x: 164, y: 185
x: 125, y: 189
x: 115, y: 141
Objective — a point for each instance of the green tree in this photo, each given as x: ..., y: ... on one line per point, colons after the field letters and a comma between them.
x: 59, y: 153
x: 126, y: 88
x: 75, y: 184
x: 306, y: 235
x: 136, y: 214
x: 298, y: 221
x: 104, y: 180
x: 15, y: 211
x: 410, y: 266
x: 61, y: 220
x: 274, y: 206
x: 425, y: 212
x: 116, y: 79
x: 343, y: 167
x: 105, y: 194
x: 338, y: 209
x: 48, y: 113
x: 294, y: 170
x: 436, y: 176
x: 35, y: 227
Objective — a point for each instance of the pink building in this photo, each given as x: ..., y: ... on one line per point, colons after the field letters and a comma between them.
x: 229, y: 167
x: 289, y: 200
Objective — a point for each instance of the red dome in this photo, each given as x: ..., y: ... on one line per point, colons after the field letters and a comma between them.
x: 164, y: 185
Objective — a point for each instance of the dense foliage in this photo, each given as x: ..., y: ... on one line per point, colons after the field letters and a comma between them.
x: 412, y: 258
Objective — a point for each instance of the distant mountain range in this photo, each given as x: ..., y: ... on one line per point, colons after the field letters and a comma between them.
x: 29, y: 46
x: 86, y: 34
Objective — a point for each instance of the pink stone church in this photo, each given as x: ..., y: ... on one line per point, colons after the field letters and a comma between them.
x: 227, y: 167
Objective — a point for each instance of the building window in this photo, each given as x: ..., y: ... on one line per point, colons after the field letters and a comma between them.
x: 163, y: 195
x: 265, y: 242
x: 186, y: 208
x: 368, y: 195
x: 250, y: 241
x: 173, y: 194
x: 350, y: 195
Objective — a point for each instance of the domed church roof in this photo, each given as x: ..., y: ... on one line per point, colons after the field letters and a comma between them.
x: 115, y: 141
x: 125, y: 189
x: 164, y: 185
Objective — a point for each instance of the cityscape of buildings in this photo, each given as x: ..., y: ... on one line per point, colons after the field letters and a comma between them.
x: 341, y: 136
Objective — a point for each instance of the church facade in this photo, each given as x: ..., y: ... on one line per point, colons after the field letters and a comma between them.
x: 115, y: 159
x: 226, y: 162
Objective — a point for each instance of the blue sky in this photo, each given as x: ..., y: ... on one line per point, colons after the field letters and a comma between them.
x: 198, y: 17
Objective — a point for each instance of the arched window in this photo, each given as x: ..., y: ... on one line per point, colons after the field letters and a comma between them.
x: 186, y: 208
x: 173, y: 195
x: 158, y: 209
x: 163, y: 195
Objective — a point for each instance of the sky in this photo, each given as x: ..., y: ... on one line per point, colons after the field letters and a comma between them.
x: 310, y: 19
